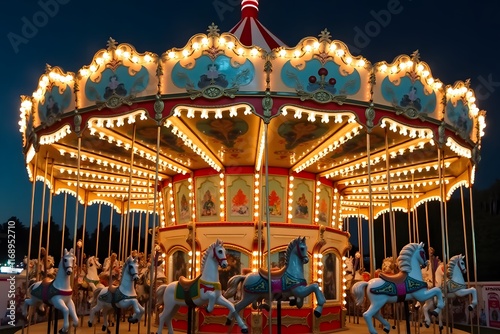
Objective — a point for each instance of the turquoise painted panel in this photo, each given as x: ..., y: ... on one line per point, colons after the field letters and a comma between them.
x: 119, y: 82
x: 309, y: 78
x: 458, y: 117
x: 409, y: 94
x: 55, y: 103
x: 207, y: 72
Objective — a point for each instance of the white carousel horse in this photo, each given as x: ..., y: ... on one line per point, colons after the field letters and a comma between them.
x: 91, y: 279
x: 122, y: 296
x: 204, y: 289
x: 455, y: 284
x: 407, y: 284
x: 354, y: 274
x: 285, y: 282
x: 56, y: 292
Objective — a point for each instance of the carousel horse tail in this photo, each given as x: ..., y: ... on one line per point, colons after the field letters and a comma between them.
x: 358, y: 291
x: 159, y: 294
x: 232, y: 285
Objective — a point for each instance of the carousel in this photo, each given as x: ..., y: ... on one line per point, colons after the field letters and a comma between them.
x: 236, y: 143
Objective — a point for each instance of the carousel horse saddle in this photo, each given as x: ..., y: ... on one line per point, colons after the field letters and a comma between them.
x: 46, y: 290
x: 114, y: 295
x: 398, y: 278
x: 398, y: 285
x: 186, y: 283
x: 275, y: 273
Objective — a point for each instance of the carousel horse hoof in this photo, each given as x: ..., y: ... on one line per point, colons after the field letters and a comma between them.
x: 293, y: 302
x: 61, y: 331
x: 132, y: 320
x: 89, y: 323
x: 387, y: 330
x: 427, y: 325
x: 317, y: 314
x: 433, y: 313
x: 228, y: 321
x: 393, y: 327
x: 244, y: 330
x: 103, y: 328
x: 471, y: 308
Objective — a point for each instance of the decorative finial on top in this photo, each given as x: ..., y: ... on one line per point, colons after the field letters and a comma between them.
x: 467, y: 83
x: 111, y: 44
x: 213, y: 30
x: 415, y: 56
x: 325, y: 36
x: 48, y: 68
x: 249, y: 8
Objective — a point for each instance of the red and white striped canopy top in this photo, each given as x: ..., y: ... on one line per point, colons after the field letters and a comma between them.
x: 250, y: 31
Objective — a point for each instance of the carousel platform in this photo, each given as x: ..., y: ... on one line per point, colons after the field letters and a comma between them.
x: 41, y: 328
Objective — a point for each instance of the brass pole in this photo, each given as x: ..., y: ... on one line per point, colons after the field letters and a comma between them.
x: 42, y: 217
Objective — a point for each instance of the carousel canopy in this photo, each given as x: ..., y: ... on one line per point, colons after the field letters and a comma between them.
x: 250, y: 31
x: 384, y: 135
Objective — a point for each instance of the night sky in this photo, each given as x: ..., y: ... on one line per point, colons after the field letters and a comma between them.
x: 458, y: 39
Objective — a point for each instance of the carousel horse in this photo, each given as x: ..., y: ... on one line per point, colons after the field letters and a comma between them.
x: 120, y: 297
x: 204, y: 289
x: 455, y: 284
x: 143, y: 285
x: 406, y: 285
x: 56, y: 292
x: 285, y: 282
x: 91, y: 280
x: 111, y: 270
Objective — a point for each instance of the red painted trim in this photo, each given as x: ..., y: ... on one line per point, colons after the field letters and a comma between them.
x: 205, y: 172
x: 180, y: 177
x: 250, y: 170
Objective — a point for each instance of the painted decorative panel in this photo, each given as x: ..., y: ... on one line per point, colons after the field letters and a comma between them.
x: 213, y: 72
x: 303, y: 203
x: 239, y: 197
x: 208, y: 202
x: 325, y: 203
x: 277, y: 199
x: 314, y: 76
x: 120, y: 82
x: 182, y: 202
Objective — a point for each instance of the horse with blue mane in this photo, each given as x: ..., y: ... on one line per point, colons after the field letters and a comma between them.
x: 406, y: 285
x: 285, y: 282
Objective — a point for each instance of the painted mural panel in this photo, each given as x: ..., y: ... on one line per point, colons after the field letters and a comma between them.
x: 457, y: 115
x: 409, y: 93
x: 119, y: 81
x: 325, y: 203
x: 57, y: 100
x: 277, y: 199
x: 207, y: 206
x: 221, y: 72
x: 239, y: 198
x: 315, y: 76
x: 182, y: 202
x: 303, y: 204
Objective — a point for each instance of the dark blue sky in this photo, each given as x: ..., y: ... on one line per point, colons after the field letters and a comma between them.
x: 458, y: 39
